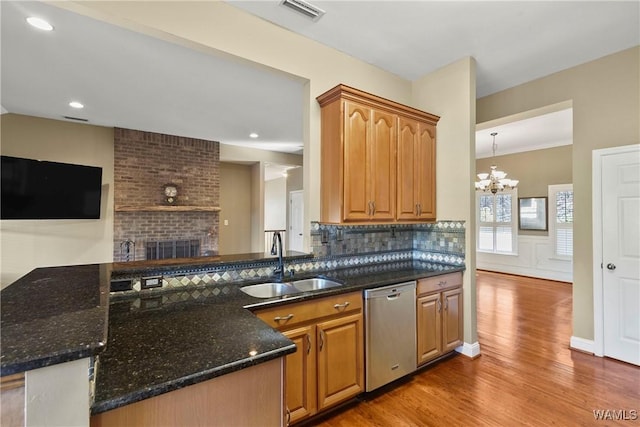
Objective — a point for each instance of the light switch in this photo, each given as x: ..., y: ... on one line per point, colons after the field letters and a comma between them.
x: 226, y: 222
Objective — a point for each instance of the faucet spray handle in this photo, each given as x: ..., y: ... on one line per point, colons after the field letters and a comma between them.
x: 274, y: 243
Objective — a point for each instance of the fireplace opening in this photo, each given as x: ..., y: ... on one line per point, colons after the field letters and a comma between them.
x: 173, y: 249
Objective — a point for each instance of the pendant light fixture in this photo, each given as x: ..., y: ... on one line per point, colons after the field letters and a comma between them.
x: 495, y: 180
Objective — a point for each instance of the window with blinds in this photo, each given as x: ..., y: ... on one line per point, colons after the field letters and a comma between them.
x: 496, y: 222
x: 561, y: 215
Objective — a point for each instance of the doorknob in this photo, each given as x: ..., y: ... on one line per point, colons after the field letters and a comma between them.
x: 611, y: 266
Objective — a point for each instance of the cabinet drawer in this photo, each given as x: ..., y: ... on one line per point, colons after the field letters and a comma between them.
x: 285, y: 316
x: 439, y: 283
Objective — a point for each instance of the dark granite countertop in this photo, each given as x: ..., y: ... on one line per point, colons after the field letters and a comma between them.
x: 155, y: 346
x: 178, y: 338
x: 157, y: 342
x: 53, y: 315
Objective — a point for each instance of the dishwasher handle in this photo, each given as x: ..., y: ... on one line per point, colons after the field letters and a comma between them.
x: 390, y: 292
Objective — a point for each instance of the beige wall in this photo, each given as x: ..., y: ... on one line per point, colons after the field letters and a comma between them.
x: 606, y: 113
x: 222, y: 28
x: 235, y: 201
x: 535, y: 170
x: 450, y: 93
x: 30, y: 244
x: 255, y: 187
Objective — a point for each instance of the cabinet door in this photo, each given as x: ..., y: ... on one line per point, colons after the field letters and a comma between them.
x: 357, y: 201
x: 416, y: 170
x: 452, y: 320
x: 382, y: 166
x: 407, y: 204
x: 425, y: 188
x: 300, y: 389
x: 340, y: 359
x: 429, y: 328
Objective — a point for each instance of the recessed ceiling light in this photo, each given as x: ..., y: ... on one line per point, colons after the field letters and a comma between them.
x: 39, y: 23
x: 76, y: 104
x: 253, y: 135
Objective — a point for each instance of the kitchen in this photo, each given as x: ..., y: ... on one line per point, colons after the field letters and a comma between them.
x: 454, y: 197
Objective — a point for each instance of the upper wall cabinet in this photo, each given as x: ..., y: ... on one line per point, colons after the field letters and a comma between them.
x: 378, y: 159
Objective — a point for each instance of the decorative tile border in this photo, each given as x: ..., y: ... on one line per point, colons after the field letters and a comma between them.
x: 344, y: 247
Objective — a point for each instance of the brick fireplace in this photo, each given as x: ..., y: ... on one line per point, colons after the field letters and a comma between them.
x: 144, y: 163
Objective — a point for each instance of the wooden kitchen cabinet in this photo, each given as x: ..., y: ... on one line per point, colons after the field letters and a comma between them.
x: 328, y: 366
x: 369, y: 163
x: 416, y: 170
x: 300, y: 374
x: 439, y: 316
x: 364, y: 176
x: 340, y: 360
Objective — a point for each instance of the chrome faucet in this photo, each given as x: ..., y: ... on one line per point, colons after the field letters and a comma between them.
x: 276, y: 249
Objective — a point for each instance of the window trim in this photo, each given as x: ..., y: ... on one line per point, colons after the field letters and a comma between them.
x: 514, y: 222
x: 552, y: 191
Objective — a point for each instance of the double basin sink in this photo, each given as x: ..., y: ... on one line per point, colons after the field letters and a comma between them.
x: 277, y: 289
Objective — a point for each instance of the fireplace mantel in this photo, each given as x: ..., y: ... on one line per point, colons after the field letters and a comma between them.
x: 167, y: 208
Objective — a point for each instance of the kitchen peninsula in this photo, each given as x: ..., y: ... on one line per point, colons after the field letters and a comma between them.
x: 197, y: 328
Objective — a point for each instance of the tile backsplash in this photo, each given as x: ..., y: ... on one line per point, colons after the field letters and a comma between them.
x: 442, y: 241
x: 336, y: 247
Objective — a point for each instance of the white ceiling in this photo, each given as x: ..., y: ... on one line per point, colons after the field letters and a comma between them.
x: 130, y: 80
x: 535, y: 133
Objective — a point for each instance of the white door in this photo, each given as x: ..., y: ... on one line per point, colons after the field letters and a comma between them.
x: 621, y: 256
x: 296, y: 221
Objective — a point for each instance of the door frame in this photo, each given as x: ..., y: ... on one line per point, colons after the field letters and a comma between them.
x: 596, y: 206
x: 289, y: 217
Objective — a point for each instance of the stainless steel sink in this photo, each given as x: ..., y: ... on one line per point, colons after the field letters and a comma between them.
x: 269, y: 290
x: 276, y: 289
x: 314, y: 284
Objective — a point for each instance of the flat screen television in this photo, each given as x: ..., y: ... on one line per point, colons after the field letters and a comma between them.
x: 36, y: 189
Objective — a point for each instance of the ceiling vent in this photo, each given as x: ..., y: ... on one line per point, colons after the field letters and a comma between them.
x: 78, y: 119
x: 304, y: 8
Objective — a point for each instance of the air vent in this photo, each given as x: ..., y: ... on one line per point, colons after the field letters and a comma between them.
x: 78, y: 119
x: 304, y: 8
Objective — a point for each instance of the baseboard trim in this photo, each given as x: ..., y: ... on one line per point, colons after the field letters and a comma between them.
x: 470, y: 350
x: 582, y: 344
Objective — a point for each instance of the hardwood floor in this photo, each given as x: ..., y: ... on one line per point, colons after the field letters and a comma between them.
x: 525, y: 376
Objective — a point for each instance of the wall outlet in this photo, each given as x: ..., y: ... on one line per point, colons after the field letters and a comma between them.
x: 119, y: 285
x: 151, y: 282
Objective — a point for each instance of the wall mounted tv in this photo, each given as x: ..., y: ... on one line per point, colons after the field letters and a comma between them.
x: 35, y: 189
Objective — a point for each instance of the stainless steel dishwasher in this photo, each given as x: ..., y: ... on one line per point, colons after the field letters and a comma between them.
x: 390, y: 331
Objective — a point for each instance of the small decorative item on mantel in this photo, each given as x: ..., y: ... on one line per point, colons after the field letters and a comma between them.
x: 170, y: 193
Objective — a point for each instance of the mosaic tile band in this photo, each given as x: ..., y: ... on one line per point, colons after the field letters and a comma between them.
x: 336, y: 247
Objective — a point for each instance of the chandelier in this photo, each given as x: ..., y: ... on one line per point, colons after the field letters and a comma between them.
x: 495, y: 180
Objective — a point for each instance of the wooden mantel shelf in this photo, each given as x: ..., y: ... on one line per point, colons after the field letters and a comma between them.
x: 167, y: 208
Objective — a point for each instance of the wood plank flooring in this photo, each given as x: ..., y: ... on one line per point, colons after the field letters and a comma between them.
x: 526, y: 374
